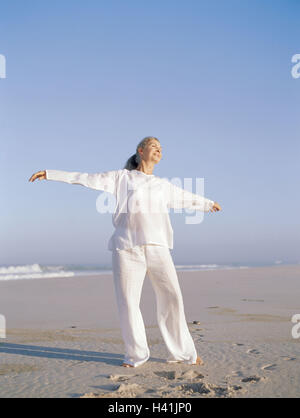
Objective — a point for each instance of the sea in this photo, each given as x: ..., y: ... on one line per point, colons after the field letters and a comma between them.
x: 40, y: 271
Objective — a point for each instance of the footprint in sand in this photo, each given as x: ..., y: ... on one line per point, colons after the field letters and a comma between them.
x: 252, y: 351
x: 174, y: 374
x: 208, y: 389
x: 190, y: 375
x: 236, y: 373
x: 122, y: 391
x: 171, y: 375
x: 120, y: 377
x: 251, y: 379
x: 129, y: 390
x: 269, y: 367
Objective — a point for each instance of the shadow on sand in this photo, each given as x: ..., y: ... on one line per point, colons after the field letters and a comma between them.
x: 60, y: 353
x: 63, y: 353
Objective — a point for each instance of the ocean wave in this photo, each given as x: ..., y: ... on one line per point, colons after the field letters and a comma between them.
x: 33, y: 271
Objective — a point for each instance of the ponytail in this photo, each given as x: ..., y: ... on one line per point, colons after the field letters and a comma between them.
x: 131, y: 163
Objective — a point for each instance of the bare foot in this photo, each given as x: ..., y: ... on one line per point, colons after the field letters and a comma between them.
x: 199, y: 362
x: 126, y: 365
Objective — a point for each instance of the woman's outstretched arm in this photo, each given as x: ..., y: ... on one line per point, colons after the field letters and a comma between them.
x: 180, y: 198
x: 105, y: 181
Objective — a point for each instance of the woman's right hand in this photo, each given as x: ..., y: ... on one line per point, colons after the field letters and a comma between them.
x: 41, y: 175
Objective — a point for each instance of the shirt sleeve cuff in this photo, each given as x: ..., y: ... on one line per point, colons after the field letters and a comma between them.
x: 56, y: 175
x: 210, y: 204
x: 48, y: 174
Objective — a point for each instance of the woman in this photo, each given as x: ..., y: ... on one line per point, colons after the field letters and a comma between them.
x: 141, y: 245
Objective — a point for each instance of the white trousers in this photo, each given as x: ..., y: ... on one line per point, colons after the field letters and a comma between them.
x: 130, y: 267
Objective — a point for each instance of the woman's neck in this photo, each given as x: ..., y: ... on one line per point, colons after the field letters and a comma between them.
x: 145, y: 168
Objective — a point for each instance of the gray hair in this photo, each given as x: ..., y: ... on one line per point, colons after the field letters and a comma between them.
x: 134, y: 161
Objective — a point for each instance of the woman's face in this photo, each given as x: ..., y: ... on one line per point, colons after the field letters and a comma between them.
x: 152, y: 151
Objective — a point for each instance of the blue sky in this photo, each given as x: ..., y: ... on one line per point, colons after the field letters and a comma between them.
x: 86, y: 81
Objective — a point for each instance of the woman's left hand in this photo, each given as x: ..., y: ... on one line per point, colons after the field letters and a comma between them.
x: 216, y: 207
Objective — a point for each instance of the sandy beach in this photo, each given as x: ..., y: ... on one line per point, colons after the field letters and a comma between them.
x: 63, y: 337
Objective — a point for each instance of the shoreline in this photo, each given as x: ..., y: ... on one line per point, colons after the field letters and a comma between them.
x: 71, y: 274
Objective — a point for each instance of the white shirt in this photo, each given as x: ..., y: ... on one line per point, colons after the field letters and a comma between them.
x: 141, y: 214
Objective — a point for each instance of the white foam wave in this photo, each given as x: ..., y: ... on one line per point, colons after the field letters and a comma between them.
x: 33, y: 271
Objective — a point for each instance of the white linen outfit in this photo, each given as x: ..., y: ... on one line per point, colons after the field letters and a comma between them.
x: 141, y: 245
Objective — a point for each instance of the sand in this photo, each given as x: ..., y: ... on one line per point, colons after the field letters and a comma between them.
x: 63, y: 338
